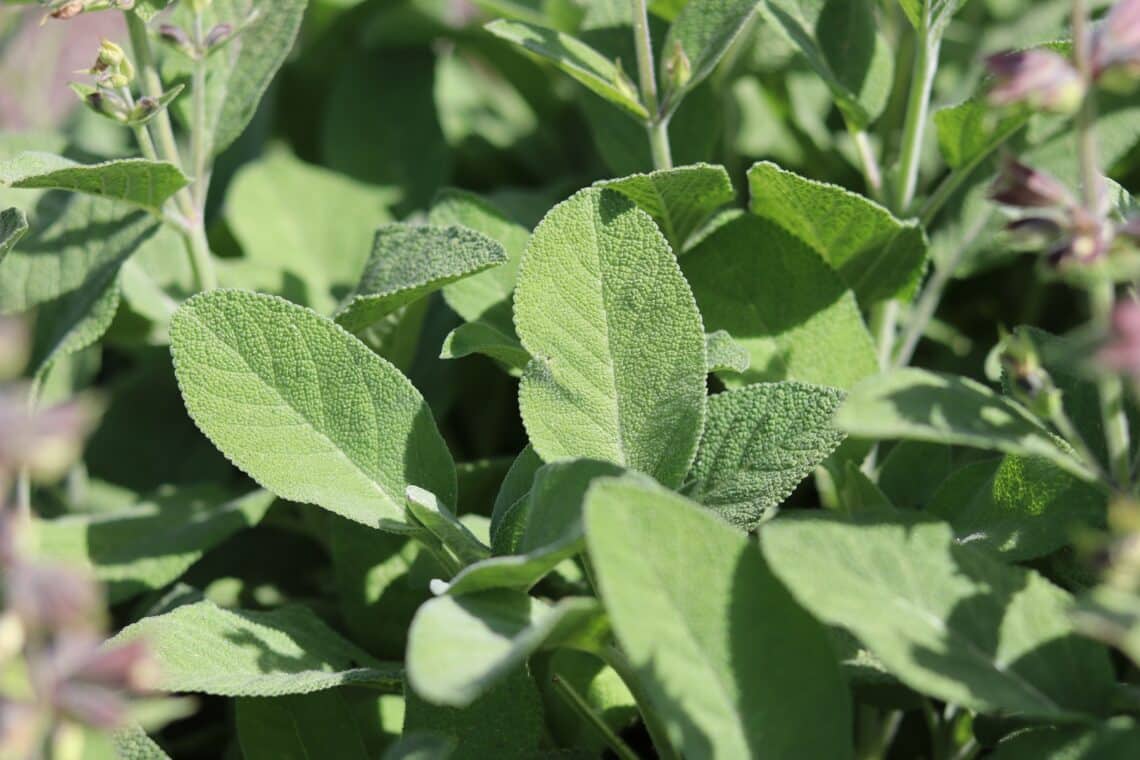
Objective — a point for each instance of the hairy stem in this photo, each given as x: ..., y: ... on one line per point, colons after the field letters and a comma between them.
x: 657, y: 125
x: 199, y: 134
x: 917, y: 113
x: 580, y: 706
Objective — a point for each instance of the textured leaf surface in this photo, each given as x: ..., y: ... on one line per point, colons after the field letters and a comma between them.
x: 685, y: 605
x: 203, y: 648
x: 133, y: 744
x: 134, y: 180
x: 725, y: 354
x: 704, y: 30
x: 950, y: 621
x: 312, y: 224
x: 408, y: 263
x: 515, y: 486
x: 575, y: 58
x: 13, y: 226
x: 680, y: 199
x: 1020, y: 507
x: 298, y: 725
x: 759, y: 443
x: 970, y: 131
x: 305, y: 408
x: 153, y: 543
x: 619, y: 368
x: 924, y: 406
x: 486, y: 339
x: 460, y: 646
x: 878, y: 256
x: 776, y: 297
x: 841, y: 41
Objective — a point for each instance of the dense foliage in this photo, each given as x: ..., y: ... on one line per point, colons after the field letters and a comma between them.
x: 575, y: 378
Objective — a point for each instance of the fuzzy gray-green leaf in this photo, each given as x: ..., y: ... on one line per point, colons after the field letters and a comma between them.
x: 13, y: 226
x: 704, y: 30
x: 143, y: 183
x: 725, y: 354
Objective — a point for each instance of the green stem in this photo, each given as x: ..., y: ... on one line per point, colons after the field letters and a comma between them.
x: 657, y: 125
x: 884, y: 326
x: 617, y: 660
x: 917, y: 112
x: 199, y: 143
x: 872, y: 174
x: 587, y: 713
x: 659, y: 143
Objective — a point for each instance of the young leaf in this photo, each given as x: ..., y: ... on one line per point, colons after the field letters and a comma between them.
x: 304, y: 725
x: 314, y: 225
x: 203, y: 648
x: 514, y: 488
x: 147, y: 184
x: 878, y: 256
x: 704, y: 30
x: 776, y: 297
x: 408, y: 263
x: 460, y: 646
x: 684, y: 592
x: 619, y: 373
x: 725, y: 354
x: 305, y: 408
x: 759, y: 443
x: 486, y: 339
x: 442, y: 523
x: 13, y: 226
x: 840, y: 40
x: 680, y: 199
x: 962, y: 627
x: 152, y: 543
x: 576, y: 58
x: 1019, y: 507
x: 918, y: 405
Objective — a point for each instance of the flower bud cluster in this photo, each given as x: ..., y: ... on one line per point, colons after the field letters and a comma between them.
x: 63, y: 10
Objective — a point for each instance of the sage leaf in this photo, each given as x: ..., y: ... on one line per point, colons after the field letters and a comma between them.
x: 154, y: 542
x: 619, y: 368
x: 460, y: 646
x: 143, y: 183
x: 840, y: 40
x: 961, y: 627
x: 776, y: 297
x: 515, y: 487
x: 445, y: 526
x: 308, y: 725
x: 679, y: 199
x: 725, y: 354
x: 759, y: 443
x: 486, y: 339
x: 13, y: 226
x: 969, y: 131
x: 408, y: 263
x: 879, y: 257
x: 703, y: 31
x: 577, y: 59
x: 132, y: 743
x: 684, y: 591
x: 914, y: 404
x: 201, y: 647
x: 304, y: 408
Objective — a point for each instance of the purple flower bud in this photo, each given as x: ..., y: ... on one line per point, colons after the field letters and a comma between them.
x: 1116, y: 41
x: 1122, y: 351
x: 1022, y: 186
x: 177, y: 38
x: 70, y: 9
x: 51, y: 597
x: 1040, y: 78
x: 218, y: 35
x: 127, y: 667
x: 47, y: 441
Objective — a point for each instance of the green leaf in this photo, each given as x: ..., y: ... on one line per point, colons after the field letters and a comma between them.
x: 725, y: 354
x: 298, y: 725
x: 841, y: 40
x: 759, y: 443
x: 506, y: 722
x: 951, y: 622
x: 152, y: 543
x: 311, y: 224
x: 408, y: 263
x: 306, y: 409
x: 704, y: 30
x: 148, y: 9
x: 203, y: 648
x: 1115, y: 739
x: 13, y: 226
x: 878, y: 256
x: 684, y: 592
x: 776, y: 297
x: 486, y: 339
x: 421, y: 746
x: 972, y: 130
x: 575, y: 58
x: 238, y: 75
x: 619, y: 373
x: 442, y: 523
x: 914, y: 404
x: 460, y: 646
x: 679, y: 199
x: 1019, y: 507
x: 514, y: 488
x: 940, y: 12
x: 147, y: 184
x: 132, y: 743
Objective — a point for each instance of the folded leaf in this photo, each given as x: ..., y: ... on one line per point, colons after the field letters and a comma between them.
x: 776, y: 297
x: 918, y: 405
x: 135, y: 180
x: 951, y: 622
x: 878, y: 256
x: 203, y: 648
x: 619, y: 368
x: 154, y: 542
x: 575, y: 58
x: 725, y: 354
x: 442, y: 523
x: 306, y: 409
x: 680, y: 199
x: 460, y: 646
x: 13, y: 226
x: 408, y: 263
x: 486, y: 339
x: 515, y: 487
x: 704, y: 30
x: 759, y: 443
x: 685, y: 592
